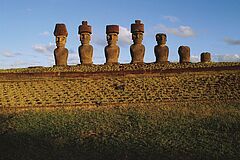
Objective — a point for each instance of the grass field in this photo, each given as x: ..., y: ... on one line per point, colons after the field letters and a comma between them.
x: 122, y: 132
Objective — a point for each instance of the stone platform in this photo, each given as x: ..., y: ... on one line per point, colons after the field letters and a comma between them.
x: 119, y: 85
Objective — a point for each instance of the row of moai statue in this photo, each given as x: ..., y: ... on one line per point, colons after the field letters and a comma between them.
x: 112, y: 50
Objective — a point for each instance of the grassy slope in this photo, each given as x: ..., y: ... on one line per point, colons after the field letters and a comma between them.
x: 130, y: 132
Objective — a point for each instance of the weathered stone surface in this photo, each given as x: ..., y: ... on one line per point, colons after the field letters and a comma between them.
x: 85, y: 50
x: 137, y: 49
x: 84, y: 28
x: 61, y: 53
x: 112, y: 29
x: 61, y: 56
x: 138, y: 26
x: 205, y: 57
x: 60, y: 30
x: 184, y: 54
x: 112, y: 50
x: 161, y: 50
x: 185, y: 87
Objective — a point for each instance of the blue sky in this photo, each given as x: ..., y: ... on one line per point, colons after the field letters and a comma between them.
x: 27, y: 26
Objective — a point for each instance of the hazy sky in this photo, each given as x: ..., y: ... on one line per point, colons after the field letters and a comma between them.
x: 26, y: 28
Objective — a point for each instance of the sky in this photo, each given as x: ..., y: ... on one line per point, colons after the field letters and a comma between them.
x: 27, y: 26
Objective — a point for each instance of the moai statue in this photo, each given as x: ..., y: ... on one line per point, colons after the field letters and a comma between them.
x: 137, y: 49
x: 205, y: 57
x: 161, y: 50
x: 184, y: 54
x: 85, y: 50
x: 112, y: 50
x: 61, y: 53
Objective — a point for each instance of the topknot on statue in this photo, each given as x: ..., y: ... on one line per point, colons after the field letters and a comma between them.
x: 84, y: 28
x: 60, y: 30
x: 112, y: 29
x: 137, y: 26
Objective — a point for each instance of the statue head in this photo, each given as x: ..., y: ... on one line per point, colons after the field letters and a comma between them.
x: 61, y: 41
x: 85, y: 30
x: 205, y: 57
x: 161, y: 38
x: 184, y: 54
x: 112, y: 32
x: 137, y: 30
x: 61, y: 34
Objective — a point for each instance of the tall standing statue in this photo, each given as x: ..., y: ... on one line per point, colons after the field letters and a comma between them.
x: 137, y: 49
x: 205, y: 57
x: 85, y: 50
x: 184, y: 54
x: 112, y: 50
x: 61, y: 53
x: 161, y: 50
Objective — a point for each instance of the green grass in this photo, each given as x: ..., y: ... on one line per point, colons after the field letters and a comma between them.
x: 130, y: 132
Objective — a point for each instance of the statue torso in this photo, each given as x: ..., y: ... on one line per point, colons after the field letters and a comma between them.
x: 61, y: 55
x: 161, y: 53
x: 137, y: 53
x: 85, y: 54
x: 112, y: 53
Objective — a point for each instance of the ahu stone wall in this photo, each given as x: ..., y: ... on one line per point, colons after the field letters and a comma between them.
x: 205, y: 86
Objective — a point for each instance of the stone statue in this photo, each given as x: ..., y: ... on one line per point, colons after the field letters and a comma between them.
x: 112, y: 50
x: 137, y: 49
x: 205, y: 57
x: 161, y: 50
x: 61, y: 53
x: 85, y: 50
x: 184, y: 54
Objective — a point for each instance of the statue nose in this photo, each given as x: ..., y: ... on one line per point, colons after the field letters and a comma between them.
x: 110, y: 37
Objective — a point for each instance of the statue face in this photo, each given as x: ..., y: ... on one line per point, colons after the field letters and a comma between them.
x: 137, y: 37
x: 85, y: 38
x: 161, y: 38
x: 112, y: 38
x: 61, y: 41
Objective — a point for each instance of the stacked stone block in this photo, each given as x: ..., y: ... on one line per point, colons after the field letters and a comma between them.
x: 189, y: 87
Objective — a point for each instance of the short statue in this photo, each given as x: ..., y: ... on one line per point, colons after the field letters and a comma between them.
x: 61, y: 53
x: 184, y: 54
x: 112, y: 50
x: 205, y: 57
x: 137, y: 49
x: 161, y: 50
x: 85, y: 50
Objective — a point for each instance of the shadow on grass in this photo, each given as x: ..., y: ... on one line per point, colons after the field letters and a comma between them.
x: 120, y: 134
x: 22, y: 146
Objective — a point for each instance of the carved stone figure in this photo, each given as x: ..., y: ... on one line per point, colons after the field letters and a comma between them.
x: 61, y: 53
x: 137, y: 49
x: 184, y: 54
x: 161, y: 50
x: 205, y: 57
x: 85, y: 50
x: 112, y: 50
